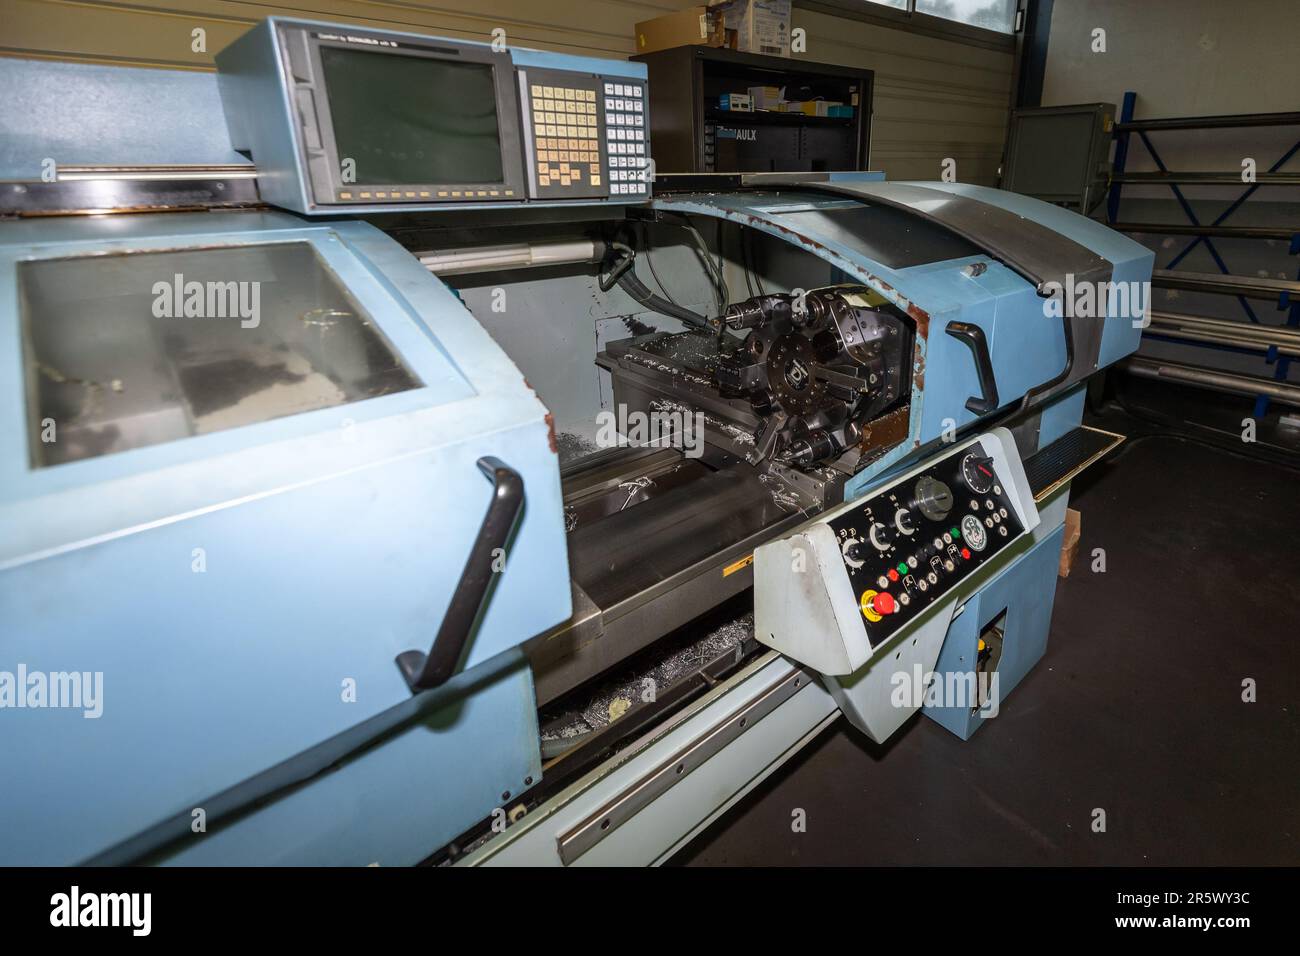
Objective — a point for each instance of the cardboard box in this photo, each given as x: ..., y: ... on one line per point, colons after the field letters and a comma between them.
x: 811, y: 107
x: 694, y: 26
x: 1070, y: 543
x: 736, y: 102
x: 767, y: 97
x: 762, y: 26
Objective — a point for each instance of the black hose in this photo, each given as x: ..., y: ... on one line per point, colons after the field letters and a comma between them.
x: 645, y: 241
x: 720, y: 291
x: 622, y: 274
x: 638, y: 290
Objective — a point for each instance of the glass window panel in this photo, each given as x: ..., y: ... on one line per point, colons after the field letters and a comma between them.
x: 896, y: 4
x: 999, y: 15
x: 124, y: 351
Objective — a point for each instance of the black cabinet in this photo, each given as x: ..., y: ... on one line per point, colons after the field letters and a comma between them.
x: 691, y: 133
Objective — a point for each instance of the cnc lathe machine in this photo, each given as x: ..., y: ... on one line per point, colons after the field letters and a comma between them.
x: 397, y: 470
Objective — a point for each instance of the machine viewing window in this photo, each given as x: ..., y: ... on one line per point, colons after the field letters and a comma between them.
x: 413, y: 119
x: 125, y: 351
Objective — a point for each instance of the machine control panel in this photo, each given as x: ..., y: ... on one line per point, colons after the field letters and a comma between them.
x: 585, y: 136
x: 906, y: 546
x: 377, y: 119
x: 627, y: 138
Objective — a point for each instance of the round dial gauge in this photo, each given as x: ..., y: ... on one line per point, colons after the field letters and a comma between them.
x: 973, y: 533
x: 977, y: 472
x: 933, y: 498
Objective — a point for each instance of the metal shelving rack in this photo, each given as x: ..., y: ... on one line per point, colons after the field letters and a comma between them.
x: 1278, y: 344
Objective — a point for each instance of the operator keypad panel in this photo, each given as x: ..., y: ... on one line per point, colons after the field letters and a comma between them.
x: 584, y: 135
x: 906, y: 547
x: 625, y: 137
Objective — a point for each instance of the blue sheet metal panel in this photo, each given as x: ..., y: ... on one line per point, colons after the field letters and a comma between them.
x: 474, y: 406
x: 212, y: 677
x: 333, y: 540
x: 1063, y: 414
x: 858, y: 176
x: 1131, y: 261
x: 394, y: 805
x: 1026, y: 348
x: 255, y: 106
x: 37, y: 523
x: 1026, y: 591
x: 546, y: 60
x: 84, y: 114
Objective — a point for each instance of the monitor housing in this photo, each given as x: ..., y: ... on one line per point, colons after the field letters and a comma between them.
x: 342, y: 120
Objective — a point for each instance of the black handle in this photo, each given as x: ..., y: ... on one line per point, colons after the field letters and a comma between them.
x: 423, y: 671
x: 973, y: 337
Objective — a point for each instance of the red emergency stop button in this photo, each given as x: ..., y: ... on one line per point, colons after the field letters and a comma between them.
x: 965, y: 553
x: 883, y: 603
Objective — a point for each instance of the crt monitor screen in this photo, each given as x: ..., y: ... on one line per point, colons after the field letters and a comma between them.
x: 413, y: 119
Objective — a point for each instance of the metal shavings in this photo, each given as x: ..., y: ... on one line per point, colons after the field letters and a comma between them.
x: 324, y: 317
x: 573, y: 446
x: 733, y: 431
x: 633, y: 486
x: 643, y: 686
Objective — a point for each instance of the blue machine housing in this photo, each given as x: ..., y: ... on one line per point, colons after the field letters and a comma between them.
x: 331, y: 540
x: 1026, y: 345
x: 231, y: 587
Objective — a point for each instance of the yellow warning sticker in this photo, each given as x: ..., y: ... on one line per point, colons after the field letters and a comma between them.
x: 737, y: 566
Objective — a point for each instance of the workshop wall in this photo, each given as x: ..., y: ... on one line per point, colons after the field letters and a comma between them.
x: 1195, y: 57
x: 935, y: 98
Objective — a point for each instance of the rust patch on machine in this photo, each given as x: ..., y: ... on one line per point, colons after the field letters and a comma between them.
x: 548, y: 418
x: 885, y: 432
x: 922, y: 320
x: 550, y: 433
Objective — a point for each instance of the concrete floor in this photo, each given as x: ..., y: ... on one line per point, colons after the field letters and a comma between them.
x: 1136, y: 709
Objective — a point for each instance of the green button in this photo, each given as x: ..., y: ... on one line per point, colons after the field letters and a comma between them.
x: 955, y: 533
x: 902, y: 568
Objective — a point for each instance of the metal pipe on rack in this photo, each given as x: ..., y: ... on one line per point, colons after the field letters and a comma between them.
x: 1212, y: 338
x: 1227, y: 232
x: 1212, y: 330
x: 1217, y: 381
x: 1234, y: 121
